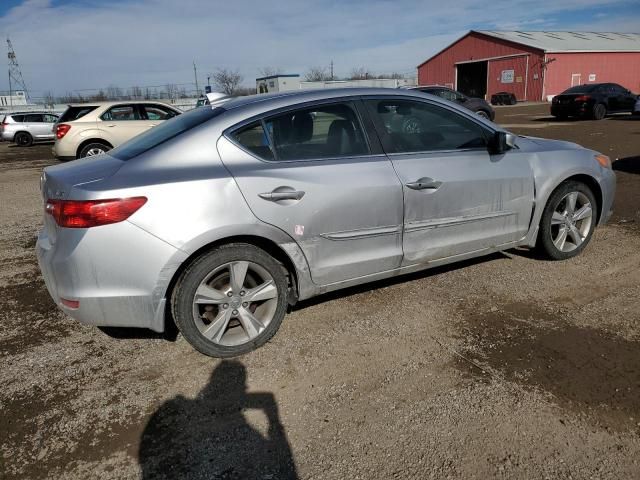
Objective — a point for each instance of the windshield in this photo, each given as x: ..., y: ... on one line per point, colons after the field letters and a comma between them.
x: 168, y: 130
x: 581, y: 89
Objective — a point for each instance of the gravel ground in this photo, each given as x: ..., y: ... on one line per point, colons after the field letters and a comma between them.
x: 504, y: 367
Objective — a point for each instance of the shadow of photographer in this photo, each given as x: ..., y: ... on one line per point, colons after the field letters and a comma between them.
x: 209, y: 436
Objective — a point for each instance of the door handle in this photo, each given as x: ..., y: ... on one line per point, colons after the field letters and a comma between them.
x: 111, y: 125
x: 424, y: 183
x: 276, y: 196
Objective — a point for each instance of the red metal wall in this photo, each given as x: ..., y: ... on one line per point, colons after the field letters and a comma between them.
x: 617, y: 67
x: 441, y: 69
x: 494, y: 76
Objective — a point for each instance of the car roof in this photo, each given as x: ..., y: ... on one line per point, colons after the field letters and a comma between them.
x: 33, y: 111
x: 299, y: 96
x: 118, y: 102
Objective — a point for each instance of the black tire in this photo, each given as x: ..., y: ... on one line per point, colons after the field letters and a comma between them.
x: 93, y: 146
x: 23, y: 139
x: 185, y: 290
x: 545, y: 239
x: 513, y: 101
x: 599, y: 111
x: 561, y: 117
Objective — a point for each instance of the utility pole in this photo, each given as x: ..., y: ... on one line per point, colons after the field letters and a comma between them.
x: 195, y: 74
x: 331, y: 69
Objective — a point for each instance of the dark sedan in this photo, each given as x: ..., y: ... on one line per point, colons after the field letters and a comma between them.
x: 477, y: 105
x: 595, y: 101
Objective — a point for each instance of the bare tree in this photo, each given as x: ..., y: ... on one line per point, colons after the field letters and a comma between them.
x: 135, y: 93
x: 172, y: 91
x: 360, y: 73
x: 48, y: 99
x: 113, y: 92
x: 227, y: 81
x: 270, y: 71
x: 317, y: 74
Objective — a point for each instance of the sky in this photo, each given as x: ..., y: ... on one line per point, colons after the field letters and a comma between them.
x: 74, y: 45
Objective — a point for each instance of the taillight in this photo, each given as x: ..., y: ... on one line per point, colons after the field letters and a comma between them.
x: 61, y: 130
x: 582, y: 98
x: 93, y: 213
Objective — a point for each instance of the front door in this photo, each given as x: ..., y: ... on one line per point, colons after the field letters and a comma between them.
x: 458, y: 198
x: 576, y: 79
x: 121, y: 123
x: 310, y: 172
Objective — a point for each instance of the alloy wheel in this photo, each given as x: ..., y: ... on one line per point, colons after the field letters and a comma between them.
x: 235, y: 303
x: 95, y: 151
x: 571, y: 221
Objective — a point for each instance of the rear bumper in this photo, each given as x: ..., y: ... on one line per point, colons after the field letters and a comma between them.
x: 118, y: 273
x: 7, y: 136
x: 571, y: 110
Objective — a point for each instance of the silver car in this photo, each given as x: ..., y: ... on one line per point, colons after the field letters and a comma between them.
x: 24, y: 128
x: 220, y: 218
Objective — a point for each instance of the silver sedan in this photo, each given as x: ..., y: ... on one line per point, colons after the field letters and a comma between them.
x: 220, y: 218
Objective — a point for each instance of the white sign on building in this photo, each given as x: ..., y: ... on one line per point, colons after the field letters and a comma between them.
x: 507, y: 76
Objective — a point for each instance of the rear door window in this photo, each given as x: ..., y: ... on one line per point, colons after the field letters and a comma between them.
x: 407, y: 126
x: 121, y: 113
x: 75, y: 113
x: 323, y: 131
x: 33, y: 118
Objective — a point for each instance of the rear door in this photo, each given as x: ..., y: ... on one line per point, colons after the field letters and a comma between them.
x: 122, y: 123
x: 458, y: 199
x: 311, y: 171
x: 49, y: 121
x: 34, y: 123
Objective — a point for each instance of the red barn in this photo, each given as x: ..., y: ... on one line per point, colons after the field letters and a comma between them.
x: 533, y: 65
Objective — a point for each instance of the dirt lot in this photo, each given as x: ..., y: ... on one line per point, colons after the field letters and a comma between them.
x: 504, y: 367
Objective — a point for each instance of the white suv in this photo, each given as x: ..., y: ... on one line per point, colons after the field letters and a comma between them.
x: 94, y: 128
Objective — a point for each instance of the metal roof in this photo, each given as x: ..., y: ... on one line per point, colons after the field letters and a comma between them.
x: 571, y: 41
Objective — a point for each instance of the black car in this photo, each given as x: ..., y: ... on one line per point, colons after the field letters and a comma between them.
x: 477, y: 105
x: 503, y: 98
x: 592, y: 101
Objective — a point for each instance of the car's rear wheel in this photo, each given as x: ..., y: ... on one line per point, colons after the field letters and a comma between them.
x: 568, y: 221
x: 599, y: 111
x: 94, y: 148
x: 23, y: 139
x: 231, y: 300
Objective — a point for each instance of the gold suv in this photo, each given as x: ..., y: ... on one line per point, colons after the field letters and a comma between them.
x: 94, y: 128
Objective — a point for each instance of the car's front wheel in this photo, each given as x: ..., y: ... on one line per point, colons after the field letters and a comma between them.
x: 231, y: 300
x: 568, y: 221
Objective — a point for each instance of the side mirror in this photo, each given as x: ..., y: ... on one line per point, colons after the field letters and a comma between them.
x: 501, y: 142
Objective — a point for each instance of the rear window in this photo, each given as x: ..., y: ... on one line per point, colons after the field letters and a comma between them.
x: 581, y: 89
x: 74, y: 113
x: 16, y: 118
x: 166, y: 131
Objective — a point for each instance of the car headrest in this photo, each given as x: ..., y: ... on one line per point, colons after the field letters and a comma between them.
x: 302, y: 127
